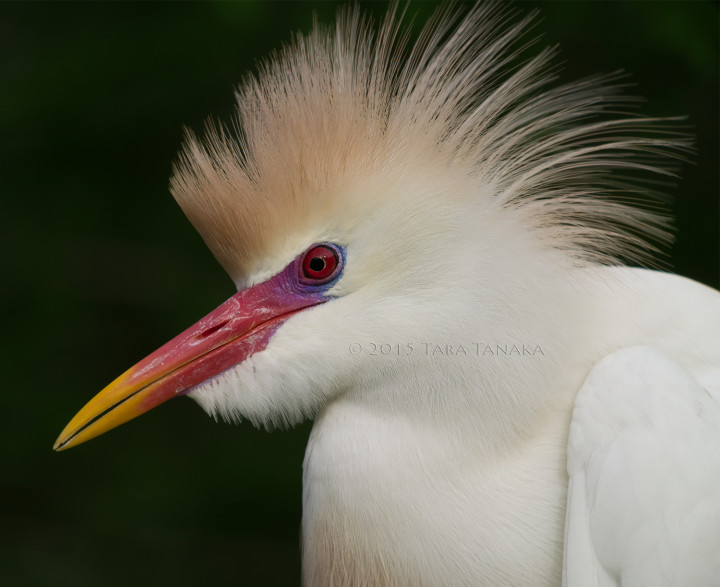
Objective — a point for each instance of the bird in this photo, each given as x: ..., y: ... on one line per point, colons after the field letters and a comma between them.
x: 437, y: 249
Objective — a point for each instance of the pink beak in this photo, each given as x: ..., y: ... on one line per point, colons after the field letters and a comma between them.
x: 228, y: 335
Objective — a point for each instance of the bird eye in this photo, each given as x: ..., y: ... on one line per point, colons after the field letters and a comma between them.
x: 319, y: 264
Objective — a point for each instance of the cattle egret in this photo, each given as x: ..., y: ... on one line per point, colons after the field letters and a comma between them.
x: 427, y: 243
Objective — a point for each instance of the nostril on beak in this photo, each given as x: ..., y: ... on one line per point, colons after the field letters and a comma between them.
x: 212, y: 330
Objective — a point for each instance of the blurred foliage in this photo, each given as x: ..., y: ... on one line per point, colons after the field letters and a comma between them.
x: 100, y: 267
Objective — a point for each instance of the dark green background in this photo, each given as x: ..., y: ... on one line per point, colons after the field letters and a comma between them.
x: 100, y: 267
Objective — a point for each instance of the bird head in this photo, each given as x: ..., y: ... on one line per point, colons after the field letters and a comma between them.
x: 378, y: 205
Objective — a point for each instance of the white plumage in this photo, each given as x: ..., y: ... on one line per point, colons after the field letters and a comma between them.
x: 473, y: 210
x: 644, y: 462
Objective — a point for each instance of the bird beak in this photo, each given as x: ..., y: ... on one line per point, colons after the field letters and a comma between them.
x: 241, y: 326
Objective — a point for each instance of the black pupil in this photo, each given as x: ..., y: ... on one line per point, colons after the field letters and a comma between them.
x: 317, y: 264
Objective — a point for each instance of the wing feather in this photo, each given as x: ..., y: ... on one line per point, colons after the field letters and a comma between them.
x: 644, y: 465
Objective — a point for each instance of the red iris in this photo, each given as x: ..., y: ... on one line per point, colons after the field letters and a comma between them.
x: 319, y: 263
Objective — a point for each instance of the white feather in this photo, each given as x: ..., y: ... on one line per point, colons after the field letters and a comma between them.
x: 644, y: 466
